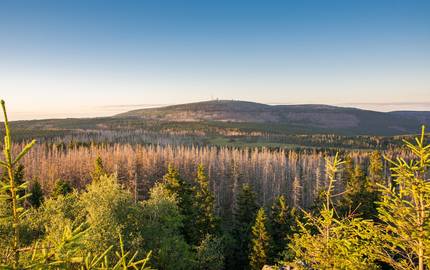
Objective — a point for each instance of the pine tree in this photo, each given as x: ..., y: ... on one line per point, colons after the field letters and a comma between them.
x: 99, y: 169
x: 12, y: 191
x: 210, y: 253
x: 162, y: 230
x: 376, y: 171
x: 259, y: 243
x: 183, y: 191
x: 244, y: 216
x: 348, y: 172
x: 358, y: 181
x: 327, y: 241
x: 19, y: 178
x: 281, y: 227
x: 203, y: 203
x: 61, y: 188
x: 36, y: 197
x: 357, y: 198
x: 405, y: 210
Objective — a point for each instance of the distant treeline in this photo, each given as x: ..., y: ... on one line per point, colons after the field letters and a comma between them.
x: 107, y: 130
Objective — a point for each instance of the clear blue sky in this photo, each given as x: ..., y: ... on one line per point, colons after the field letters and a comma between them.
x: 84, y: 58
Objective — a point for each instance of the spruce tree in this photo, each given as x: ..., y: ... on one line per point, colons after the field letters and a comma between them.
x: 176, y: 185
x: 244, y: 216
x: 210, y: 253
x: 328, y: 241
x: 19, y: 178
x: 258, y: 256
x: 358, y: 181
x: 203, y: 203
x: 61, y: 188
x: 10, y: 192
x: 99, y: 169
x: 405, y: 210
x: 358, y: 198
x: 36, y: 194
x: 281, y: 227
x: 348, y: 172
x: 376, y: 171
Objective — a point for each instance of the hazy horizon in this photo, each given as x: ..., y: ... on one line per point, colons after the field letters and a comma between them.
x: 96, y: 58
x: 110, y: 110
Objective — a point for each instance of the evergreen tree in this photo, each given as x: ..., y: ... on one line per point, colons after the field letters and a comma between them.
x: 281, y: 227
x: 405, y: 211
x: 260, y: 242
x: 183, y: 191
x: 110, y: 211
x: 61, y: 188
x: 203, y: 203
x: 162, y: 225
x: 376, y: 171
x: 358, y: 199
x: 327, y: 241
x: 11, y: 198
x: 19, y: 178
x: 244, y: 216
x: 348, y: 171
x: 99, y: 169
x: 355, y: 186
x: 358, y: 181
x: 36, y: 197
x: 210, y: 253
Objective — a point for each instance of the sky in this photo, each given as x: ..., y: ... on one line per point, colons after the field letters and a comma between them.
x: 73, y: 58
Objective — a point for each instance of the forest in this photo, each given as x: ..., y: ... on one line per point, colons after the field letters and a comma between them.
x: 88, y: 203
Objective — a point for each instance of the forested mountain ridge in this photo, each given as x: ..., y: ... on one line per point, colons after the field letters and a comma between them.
x: 234, y: 124
x: 422, y: 116
x: 312, y: 117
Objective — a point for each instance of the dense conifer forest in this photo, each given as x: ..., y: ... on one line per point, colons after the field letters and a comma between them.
x: 118, y: 204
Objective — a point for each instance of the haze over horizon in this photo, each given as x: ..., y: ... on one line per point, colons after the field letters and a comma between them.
x: 99, y: 58
x: 111, y: 110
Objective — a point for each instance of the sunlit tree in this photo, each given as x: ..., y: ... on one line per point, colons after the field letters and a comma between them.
x: 405, y: 210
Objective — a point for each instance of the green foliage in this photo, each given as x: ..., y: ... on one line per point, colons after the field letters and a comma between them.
x: 210, y: 253
x: 162, y: 229
x: 282, y: 226
x: 244, y: 217
x: 12, y: 192
x: 376, y: 171
x: 184, y: 193
x: 60, y: 252
x: 260, y: 241
x: 61, y: 188
x: 36, y: 197
x: 205, y: 221
x: 99, y: 169
x: 360, y: 197
x: 19, y: 175
x: 330, y: 242
x: 110, y: 211
x: 405, y: 210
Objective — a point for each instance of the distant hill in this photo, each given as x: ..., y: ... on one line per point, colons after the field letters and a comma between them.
x: 421, y: 116
x: 321, y: 118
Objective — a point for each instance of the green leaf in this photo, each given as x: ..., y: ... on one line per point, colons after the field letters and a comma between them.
x: 24, y: 151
